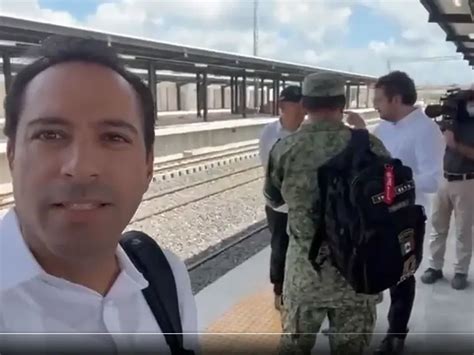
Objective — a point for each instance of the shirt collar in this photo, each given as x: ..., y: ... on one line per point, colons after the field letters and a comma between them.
x: 18, y: 265
x: 129, y: 270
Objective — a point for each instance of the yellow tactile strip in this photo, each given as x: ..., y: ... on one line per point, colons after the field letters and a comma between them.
x: 254, y: 314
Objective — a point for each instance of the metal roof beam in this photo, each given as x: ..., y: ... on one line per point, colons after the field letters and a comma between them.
x: 458, y: 38
x: 450, y: 18
x: 16, y: 67
x: 464, y: 50
x: 33, y: 32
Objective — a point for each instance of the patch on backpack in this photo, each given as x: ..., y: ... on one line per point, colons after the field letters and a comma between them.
x: 407, y: 245
x: 400, y: 189
x: 407, y: 241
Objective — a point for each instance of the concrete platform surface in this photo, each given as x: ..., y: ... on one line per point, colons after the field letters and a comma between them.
x: 241, y: 302
x: 211, y: 126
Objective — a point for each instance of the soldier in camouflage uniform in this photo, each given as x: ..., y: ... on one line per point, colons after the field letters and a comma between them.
x: 292, y: 178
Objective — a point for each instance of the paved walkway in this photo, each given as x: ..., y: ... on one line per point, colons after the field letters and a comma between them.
x: 241, y: 302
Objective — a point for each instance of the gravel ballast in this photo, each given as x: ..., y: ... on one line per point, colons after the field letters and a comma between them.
x: 150, y: 208
x: 193, y: 228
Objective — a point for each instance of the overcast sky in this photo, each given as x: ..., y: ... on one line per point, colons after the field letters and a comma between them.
x: 354, y: 35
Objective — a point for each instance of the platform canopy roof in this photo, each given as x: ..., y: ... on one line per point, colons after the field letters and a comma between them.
x: 456, y: 18
x: 18, y: 34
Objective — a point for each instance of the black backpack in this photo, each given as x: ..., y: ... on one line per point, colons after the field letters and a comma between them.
x: 161, y: 294
x: 368, y: 218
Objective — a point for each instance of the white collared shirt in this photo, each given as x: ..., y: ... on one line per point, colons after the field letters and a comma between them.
x: 418, y: 142
x: 271, y: 133
x: 32, y: 301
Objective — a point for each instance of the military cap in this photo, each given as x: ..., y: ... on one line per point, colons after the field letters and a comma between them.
x: 291, y: 93
x: 323, y: 85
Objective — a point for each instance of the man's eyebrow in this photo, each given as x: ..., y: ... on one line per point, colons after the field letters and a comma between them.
x: 119, y: 123
x: 48, y: 120
x: 111, y: 122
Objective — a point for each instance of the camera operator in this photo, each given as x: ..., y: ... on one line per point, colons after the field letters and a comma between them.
x: 466, y: 150
x: 456, y: 194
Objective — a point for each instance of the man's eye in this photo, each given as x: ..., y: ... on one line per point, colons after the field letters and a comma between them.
x: 114, y: 137
x: 49, y: 135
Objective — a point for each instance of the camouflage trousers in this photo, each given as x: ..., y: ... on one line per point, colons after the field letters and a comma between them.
x: 350, y: 331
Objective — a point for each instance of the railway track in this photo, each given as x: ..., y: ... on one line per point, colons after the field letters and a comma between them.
x: 189, y: 161
x: 227, y: 245
x: 200, y: 198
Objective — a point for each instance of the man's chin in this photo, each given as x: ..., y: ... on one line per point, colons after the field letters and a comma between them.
x: 79, y: 237
x: 81, y: 248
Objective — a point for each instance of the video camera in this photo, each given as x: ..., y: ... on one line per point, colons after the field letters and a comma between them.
x: 457, y: 105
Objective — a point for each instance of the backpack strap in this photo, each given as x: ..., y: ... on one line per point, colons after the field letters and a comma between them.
x: 359, y: 141
x: 321, y: 227
x: 161, y: 294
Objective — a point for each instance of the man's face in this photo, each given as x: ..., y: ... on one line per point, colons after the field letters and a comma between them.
x: 386, y: 107
x: 79, y: 164
x: 292, y: 111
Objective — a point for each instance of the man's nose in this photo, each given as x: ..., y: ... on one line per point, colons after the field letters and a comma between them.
x: 81, y: 162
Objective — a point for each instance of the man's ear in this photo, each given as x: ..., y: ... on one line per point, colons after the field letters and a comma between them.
x: 397, y: 99
x: 10, y: 153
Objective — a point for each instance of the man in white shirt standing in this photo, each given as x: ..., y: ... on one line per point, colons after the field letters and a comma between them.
x: 409, y: 135
x: 292, y: 115
x: 80, y: 131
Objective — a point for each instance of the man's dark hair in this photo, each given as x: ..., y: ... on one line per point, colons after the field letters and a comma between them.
x: 60, y: 49
x: 323, y: 103
x: 398, y: 83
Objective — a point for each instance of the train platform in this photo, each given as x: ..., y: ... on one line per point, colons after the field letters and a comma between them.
x: 172, y: 118
x: 237, y: 310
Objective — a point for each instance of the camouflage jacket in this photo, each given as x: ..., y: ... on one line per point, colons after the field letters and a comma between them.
x: 291, y: 178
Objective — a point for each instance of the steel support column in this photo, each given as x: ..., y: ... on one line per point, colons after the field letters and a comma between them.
x: 348, y: 96
x: 255, y: 93
x: 272, y: 96
x: 198, y: 94
x: 367, y: 99
x: 204, y: 96
x: 7, y: 71
x: 262, y: 95
x: 232, y: 97
x: 358, y: 96
x: 178, y: 97
x: 275, y: 97
x: 236, y: 95
x: 244, y: 96
x: 152, y: 84
x: 223, y: 96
